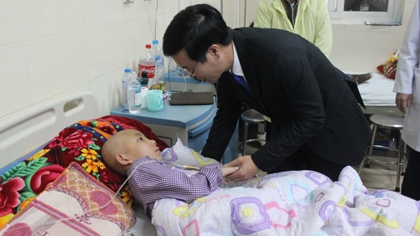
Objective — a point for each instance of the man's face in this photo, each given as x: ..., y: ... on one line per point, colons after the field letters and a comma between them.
x: 209, y: 71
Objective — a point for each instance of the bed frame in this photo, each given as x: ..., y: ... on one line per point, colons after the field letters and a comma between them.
x: 378, y: 96
x: 25, y: 132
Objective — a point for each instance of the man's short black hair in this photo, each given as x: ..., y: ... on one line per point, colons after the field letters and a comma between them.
x: 196, y: 28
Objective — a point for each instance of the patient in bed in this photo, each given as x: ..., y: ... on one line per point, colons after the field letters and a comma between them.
x: 288, y: 203
x: 132, y: 154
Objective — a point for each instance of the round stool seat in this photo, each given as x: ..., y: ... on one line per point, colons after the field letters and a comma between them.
x: 395, y: 122
x: 252, y: 116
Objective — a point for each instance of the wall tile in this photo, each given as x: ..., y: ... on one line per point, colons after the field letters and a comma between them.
x: 99, y: 13
x: 108, y: 91
x: 43, y: 18
x: 141, y: 34
x: 169, y: 6
x: 105, y: 50
x: 15, y: 87
x: 10, y: 29
x: 56, y: 64
x: 349, y: 44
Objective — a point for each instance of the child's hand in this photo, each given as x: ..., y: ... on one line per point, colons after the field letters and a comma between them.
x: 228, y: 170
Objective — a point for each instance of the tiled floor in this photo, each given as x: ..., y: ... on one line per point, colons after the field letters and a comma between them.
x: 380, y: 175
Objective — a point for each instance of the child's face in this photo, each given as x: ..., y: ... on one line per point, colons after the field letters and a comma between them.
x: 138, y: 146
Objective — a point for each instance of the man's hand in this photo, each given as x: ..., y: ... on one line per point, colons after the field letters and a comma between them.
x: 247, y: 169
x: 403, y: 101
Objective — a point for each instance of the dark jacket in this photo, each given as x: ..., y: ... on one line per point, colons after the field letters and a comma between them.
x: 300, y: 90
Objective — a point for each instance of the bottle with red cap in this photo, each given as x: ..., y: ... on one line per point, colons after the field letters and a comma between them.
x: 147, y: 63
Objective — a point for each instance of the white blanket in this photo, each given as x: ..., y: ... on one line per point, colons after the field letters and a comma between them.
x: 292, y: 203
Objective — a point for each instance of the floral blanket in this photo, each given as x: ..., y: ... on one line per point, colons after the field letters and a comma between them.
x: 292, y: 203
x: 80, y: 142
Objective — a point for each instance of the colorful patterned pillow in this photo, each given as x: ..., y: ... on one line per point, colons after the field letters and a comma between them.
x: 80, y: 142
x: 75, y: 203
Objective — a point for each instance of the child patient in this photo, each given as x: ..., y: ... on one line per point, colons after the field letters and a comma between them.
x: 130, y: 152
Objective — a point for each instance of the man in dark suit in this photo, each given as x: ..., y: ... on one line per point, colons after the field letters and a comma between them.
x: 317, y: 123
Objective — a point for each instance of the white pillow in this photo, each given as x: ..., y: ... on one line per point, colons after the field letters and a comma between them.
x: 184, y: 156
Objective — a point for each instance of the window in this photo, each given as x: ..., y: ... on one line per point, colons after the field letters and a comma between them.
x: 370, y: 12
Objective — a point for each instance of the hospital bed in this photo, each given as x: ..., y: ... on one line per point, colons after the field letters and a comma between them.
x: 289, y: 203
x: 378, y: 96
x: 23, y: 133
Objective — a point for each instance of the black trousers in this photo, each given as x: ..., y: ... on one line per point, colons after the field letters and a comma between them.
x: 305, y: 159
x: 411, y: 181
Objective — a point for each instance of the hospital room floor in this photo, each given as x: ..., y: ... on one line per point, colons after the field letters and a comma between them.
x: 380, y: 175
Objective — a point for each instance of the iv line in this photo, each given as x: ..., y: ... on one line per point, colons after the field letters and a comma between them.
x: 155, y: 16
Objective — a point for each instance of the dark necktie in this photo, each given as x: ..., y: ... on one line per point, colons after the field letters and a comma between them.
x: 240, y: 80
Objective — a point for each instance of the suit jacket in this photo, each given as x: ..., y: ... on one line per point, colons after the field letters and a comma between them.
x: 305, y: 96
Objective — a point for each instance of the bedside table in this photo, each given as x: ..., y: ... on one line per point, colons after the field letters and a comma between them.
x: 190, y: 123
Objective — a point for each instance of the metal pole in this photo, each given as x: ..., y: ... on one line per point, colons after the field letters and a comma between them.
x: 236, y: 14
x: 245, y: 7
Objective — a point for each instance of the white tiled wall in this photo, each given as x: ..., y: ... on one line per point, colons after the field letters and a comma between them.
x: 362, y: 48
x: 54, y: 47
x: 355, y: 47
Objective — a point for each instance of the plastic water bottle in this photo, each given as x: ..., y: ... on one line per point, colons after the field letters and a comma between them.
x: 124, y: 81
x: 159, y: 61
x: 134, y: 94
x: 147, y: 63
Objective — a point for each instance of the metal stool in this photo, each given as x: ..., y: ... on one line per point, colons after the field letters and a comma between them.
x: 250, y: 116
x: 392, y: 123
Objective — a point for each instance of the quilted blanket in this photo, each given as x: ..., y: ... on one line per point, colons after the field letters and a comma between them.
x: 292, y: 203
x: 80, y: 142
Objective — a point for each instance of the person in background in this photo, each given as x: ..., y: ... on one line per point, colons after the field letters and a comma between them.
x: 129, y: 152
x: 352, y: 5
x: 317, y: 123
x: 366, y: 5
x: 407, y: 87
x: 308, y: 18
x: 378, y: 5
